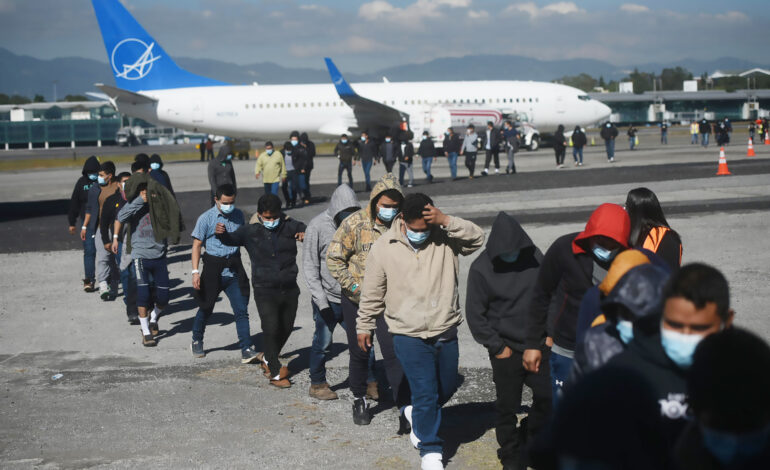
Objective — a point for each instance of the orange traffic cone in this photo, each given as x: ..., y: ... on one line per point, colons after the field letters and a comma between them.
x: 722, y: 163
x: 767, y: 138
x: 750, y: 151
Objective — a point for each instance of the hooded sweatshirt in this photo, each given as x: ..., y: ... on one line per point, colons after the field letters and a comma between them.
x: 79, y: 198
x: 160, y: 174
x: 499, y: 293
x: 324, y: 288
x: 567, y: 273
x: 578, y: 137
x: 348, y: 250
x: 221, y: 169
x: 640, y: 292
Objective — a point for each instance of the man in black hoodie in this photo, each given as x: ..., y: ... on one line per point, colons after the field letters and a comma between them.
x: 500, y: 285
x: 221, y: 170
x: 158, y: 173
x: 301, y: 160
x: 77, y: 210
x: 609, y: 133
x: 309, y: 146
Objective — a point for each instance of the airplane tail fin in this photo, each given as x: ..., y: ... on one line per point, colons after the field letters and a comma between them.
x: 138, y: 62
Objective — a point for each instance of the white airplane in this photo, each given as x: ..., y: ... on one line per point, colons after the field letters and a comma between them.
x: 152, y: 87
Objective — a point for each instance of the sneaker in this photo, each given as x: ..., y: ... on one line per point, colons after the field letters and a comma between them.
x: 412, y: 436
x: 432, y: 461
x: 197, y: 349
x: 372, y: 392
x: 361, y: 415
x: 133, y: 319
x: 580, y: 164
x: 409, y: 185
x: 154, y: 330
x: 322, y: 392
x: 576, y: 163
x: 497, y: 171
x: 507, y: 171
x: 148, y: 341
x: 485, y: 171
x: 403, y: 425
x: 249, y: 356
x: 612, y: 160
x: 88, y: 285
x: 280, y: 383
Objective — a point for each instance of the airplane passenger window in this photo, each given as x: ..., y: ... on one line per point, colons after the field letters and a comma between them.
x: 584, y: 97
x: 530, y: 100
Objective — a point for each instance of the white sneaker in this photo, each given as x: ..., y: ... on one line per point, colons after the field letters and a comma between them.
x: 497, y: 171
x: 432, y: 461
x: 412, y: 436
x: 612, y: 160
x: 485, y: 171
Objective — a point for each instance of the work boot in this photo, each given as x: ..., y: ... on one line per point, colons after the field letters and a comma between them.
x: 148, y: 341
x: 361, y: 415
x: 249, y: 356
x: 88, y: 285
x: 283, y: 373
x: 322, y: 392
x: 197, y: 349
x: 372, y: 392
x: 281, y: 383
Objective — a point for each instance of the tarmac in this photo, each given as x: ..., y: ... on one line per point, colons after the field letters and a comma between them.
x: 119, y: 405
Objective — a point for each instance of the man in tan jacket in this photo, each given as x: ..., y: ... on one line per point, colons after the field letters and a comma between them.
x: 411, y: 277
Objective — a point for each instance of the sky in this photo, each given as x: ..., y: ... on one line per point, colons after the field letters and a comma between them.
x: 369, y: 35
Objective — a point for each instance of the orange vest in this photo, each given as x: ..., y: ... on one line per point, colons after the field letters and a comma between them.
x: 655, y: 237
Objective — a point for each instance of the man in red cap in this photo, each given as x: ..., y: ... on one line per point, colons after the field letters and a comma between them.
x: 572, y: 264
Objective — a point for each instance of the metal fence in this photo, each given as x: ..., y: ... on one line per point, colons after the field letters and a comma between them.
x: 60, y: 131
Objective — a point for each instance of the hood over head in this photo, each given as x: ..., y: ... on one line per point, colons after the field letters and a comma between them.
x: 155, y: 158
x: 388, y: 181
x: 640, y: 291
x: 622, y: 263
x: 342, y: 198
x: 224, y: 151
x: 577, y: 129
x: 609, y: 220
x: 506, y: 236
x: 91, y: 165
x: 304, y: 137
x: 560, y: 128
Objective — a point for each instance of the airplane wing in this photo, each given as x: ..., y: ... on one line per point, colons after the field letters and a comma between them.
x: 124, y: 96
x: 369, y: 113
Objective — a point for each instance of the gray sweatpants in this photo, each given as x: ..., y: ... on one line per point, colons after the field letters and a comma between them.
x: 511, y: 166
x: 106, y: 268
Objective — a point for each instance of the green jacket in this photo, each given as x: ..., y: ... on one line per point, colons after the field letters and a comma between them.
x: 165, y: 216
x: 272, y: 167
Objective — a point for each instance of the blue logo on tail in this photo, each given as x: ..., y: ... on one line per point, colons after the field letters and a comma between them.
x: 138, y: 62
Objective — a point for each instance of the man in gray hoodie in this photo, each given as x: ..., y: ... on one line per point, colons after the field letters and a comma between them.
x: 221, y: 170
x: 324, y: 288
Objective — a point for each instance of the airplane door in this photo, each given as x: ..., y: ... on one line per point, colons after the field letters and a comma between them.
x: 197, y: 110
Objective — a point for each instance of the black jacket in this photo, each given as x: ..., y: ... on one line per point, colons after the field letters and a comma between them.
x: 494, y: 139
x: 499, y: 293
x: 704, y: 127
x: 273, y: 253
x: 563, y: 278
x: 452, y: 143
x: 558, y: 139
x: 79, y: 198
x: 383, y: 152
x: 407, y: 154
x: 299, y: 158
x: 579, y: 139
x: 367, y: 151
x: 427, y: 149
x: 310, y: 149
x: 221, y: 169
x: 646, y: 356
x: 110, y: 209
x: 345, y: 152
x: 609, y: 131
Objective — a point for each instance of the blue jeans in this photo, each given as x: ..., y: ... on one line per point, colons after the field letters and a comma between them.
x: 127, y: 280
x: 367, y: 167
x: 147, y: 272
x: 704, y: 140
x: 301, y: 186
x: 560, y: 369
x: 232, y: 290
x: 609, y: 145
x: 631, y: 142
x: 694, y: 139
x: 325, y: 323
x: 452, y: 159
x: 577, y: 151
x: 430, y: 367
x: 345, y: 167
x: 89, y: 255
x: 664, y: 137
x: 272, y: 188
x: 426, y: 164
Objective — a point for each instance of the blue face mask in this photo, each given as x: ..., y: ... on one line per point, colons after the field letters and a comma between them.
x: 386, y: 214
x: 271, y: 224
x: 679, y: 347
x: 294, y: 143
x: 270, y: 151
x: 344, y: 141
x: 93, y: 176
x: 227, y: 208
x: 229, y: 157
x: 417, y: 238
x: 155, y: 166
x: 446, y: 133
x: 387, y: 139
x: 603, y: 254
x: 424, y: 137
x: 625, y: 330
x: 363, y: 138
x: 102, y: 181
x: 731, y: 448
x: 510, y: 258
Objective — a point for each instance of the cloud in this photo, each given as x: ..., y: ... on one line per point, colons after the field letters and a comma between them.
x: 478, y: 14
x: 530, y: 8
x: 732, y: 16
x: 317, y: 9
x: 411, y: 14
x: 634, y: 8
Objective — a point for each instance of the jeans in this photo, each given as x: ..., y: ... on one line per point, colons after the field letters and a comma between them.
x: 609, y: 145
x: 664, y: 137
x: 431, y: 368
x: 560, y: 369
x: 693, y: 139
x: 240, y: 310
x: 358, y: 368
x: 426, y: 164
x: 510, y: 377
x: 277, y: 310
x: 89, y: 255
x: 405, y: 167
x: 577, y: 151
x: 325, y: 323
x: 272, y: 188
x: 367, y: 167
x: 345, y: 167
x: 147, y: 272
x: 704, y: 140
x: 128, y: 281
x: 470, y: 162
x: 452, y: 159
x: 511, y: 164
x: 302, y: 191
x: 289, y: 187
x: 631, y: 142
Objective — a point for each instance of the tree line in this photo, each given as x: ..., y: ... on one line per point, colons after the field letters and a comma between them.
x: 19, y: 99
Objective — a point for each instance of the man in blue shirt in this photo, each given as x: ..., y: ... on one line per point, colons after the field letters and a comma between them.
x: 222, y: 271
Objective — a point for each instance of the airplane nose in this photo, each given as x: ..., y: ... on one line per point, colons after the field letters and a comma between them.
x: 603, y: 112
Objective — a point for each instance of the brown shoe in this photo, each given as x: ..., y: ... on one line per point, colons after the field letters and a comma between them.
x: 148, y: 341
x: 88, y: 285
x: 283, y: 373
x: 282, y: 383
x: 322, y: 392
x: 372, y: 392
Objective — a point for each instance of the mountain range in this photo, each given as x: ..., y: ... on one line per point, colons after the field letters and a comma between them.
x: 27, y: 76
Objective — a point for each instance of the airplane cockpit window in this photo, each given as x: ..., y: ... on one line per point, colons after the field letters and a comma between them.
x: 584, y: 97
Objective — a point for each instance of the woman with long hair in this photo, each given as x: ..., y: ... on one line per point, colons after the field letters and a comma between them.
x: 650, y: 229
